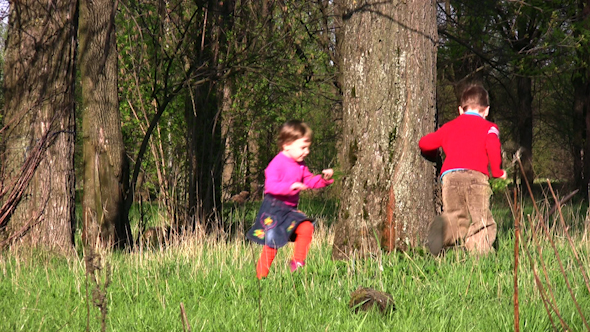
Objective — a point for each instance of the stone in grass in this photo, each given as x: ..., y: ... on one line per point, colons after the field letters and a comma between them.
x: 365, y: 298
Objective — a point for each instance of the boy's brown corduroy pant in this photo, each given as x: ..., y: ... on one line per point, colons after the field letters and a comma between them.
x: 466, y: 211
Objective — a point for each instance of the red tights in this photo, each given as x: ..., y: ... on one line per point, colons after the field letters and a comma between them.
x: 304, y: 234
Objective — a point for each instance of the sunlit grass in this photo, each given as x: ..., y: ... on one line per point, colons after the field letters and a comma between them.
x: 215, y: 281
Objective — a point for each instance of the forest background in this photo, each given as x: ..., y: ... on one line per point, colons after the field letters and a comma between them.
x: 194, y: 94
x: 114, y: 112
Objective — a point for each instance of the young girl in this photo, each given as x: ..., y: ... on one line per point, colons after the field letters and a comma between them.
x: 278, y: 220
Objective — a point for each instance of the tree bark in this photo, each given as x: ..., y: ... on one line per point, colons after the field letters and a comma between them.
x: 522, y: 37
x: 388, y: 57
x: 191, y: 155
x: 228, y: 176
x: 203, y: 116
x: 39, y: 102
x: 581, y: 83
x: 204, y: 156
x: 106, y: 171
x: 525, y: 125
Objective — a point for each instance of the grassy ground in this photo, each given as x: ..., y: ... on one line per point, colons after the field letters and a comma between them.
x: 215, y: 281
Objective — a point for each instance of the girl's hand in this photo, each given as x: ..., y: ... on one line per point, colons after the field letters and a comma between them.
x: 327, y: 173
x: 298, y: 185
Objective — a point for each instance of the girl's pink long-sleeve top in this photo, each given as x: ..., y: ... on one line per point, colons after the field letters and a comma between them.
x: 282, y: 172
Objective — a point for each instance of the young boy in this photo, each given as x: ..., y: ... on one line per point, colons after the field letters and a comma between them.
x: 470, y: 143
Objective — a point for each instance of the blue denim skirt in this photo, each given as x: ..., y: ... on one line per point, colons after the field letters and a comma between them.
x: 275, y: 223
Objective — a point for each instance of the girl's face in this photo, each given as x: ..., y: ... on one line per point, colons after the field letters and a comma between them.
x: 298, y: 149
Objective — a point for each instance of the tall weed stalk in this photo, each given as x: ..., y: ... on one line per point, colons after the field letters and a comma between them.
x: 99, y: 278
x: 549, y: 302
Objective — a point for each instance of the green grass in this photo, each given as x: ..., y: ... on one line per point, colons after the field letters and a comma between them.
x: 215, y: 281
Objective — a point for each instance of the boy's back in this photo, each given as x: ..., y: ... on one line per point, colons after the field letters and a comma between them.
x: 469, y: 142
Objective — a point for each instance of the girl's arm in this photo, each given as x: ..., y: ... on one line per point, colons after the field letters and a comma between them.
x: 314, y: 181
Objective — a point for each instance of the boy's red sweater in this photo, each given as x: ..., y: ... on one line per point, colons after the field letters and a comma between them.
x: 469, y: 142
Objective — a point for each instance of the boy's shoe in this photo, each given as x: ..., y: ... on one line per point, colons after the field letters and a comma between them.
x: 436, y: 234
x: 295, y: 265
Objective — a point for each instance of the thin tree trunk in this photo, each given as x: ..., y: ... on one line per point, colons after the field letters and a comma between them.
x: 204, y: 123
x: 39, y: 73
x: 581, y: 83
x: 579, y: 132
x: 106, y: 171
x: 225, y: 91
x: 228, y: 177
x: 388, y: 68
x: 525, y: 124
x: 191, y: 145
x: 254, y: 158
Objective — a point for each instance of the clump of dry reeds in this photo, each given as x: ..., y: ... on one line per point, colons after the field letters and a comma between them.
x: 530, y: 235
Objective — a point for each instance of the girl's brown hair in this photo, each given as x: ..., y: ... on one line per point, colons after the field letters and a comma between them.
x: 293, y: 130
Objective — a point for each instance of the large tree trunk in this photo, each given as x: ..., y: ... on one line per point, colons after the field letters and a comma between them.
x: 388, y: 57
x: 105, y: 165
x: 204, y: 156
x: 39, y: 95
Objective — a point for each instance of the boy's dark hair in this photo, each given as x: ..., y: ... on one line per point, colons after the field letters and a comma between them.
x: 293, y: 130
x: 475, y: 96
